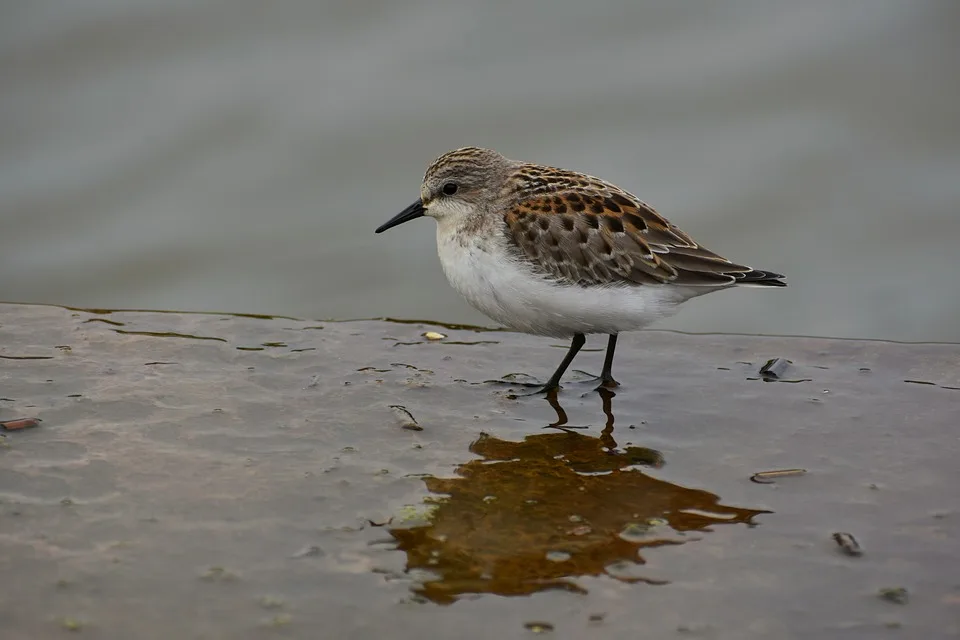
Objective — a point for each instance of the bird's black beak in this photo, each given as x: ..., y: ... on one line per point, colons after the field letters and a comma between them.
x: 413, y: 211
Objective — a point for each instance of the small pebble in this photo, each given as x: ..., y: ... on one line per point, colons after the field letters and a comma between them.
x: 538, y: 627
x: 848, y: 544
x: 433, y: 335
x: 897, y: 595
x: 774, y: 368
x: 71, y: 624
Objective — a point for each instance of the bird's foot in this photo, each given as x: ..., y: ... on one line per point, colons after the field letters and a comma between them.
x: 545, y: 390
x: 606, y: 380
x: 607, y: 383
x: 529, y: 385
x: 515, y: 380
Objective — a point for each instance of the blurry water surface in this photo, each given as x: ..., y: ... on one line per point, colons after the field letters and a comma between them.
x: 236, y: 156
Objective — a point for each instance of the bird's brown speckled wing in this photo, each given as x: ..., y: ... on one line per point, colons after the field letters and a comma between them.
x: 584, y: 231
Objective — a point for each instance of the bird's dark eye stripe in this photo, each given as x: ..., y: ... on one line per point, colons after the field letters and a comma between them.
x: 450, y: 188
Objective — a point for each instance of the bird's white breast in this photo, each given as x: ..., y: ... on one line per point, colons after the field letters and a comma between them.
x: 480, y: 266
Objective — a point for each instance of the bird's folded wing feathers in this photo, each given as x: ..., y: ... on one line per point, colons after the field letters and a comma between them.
x: 602, y: 235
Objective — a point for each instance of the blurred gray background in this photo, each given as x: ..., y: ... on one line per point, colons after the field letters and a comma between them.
x: 236, y: 156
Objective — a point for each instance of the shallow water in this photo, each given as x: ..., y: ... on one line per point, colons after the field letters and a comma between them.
x: 228, y: 156
x: 238, y: 477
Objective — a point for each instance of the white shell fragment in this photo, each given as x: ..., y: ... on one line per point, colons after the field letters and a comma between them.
x: 405, y: 418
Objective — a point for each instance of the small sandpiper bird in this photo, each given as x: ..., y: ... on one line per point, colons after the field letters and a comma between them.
x: 559, y: 253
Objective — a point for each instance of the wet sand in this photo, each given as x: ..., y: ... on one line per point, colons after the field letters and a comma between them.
x: 212, y: 476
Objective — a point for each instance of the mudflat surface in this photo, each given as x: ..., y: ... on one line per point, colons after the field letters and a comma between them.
x: 208, y: 476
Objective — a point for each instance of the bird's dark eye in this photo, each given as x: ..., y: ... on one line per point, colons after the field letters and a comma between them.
x: 450, y: 188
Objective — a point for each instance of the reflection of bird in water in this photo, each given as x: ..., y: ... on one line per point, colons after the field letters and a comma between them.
x: 534, y: 515
x: 636, y: 455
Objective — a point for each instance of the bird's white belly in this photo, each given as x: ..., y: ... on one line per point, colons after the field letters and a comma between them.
x: 512, y: 294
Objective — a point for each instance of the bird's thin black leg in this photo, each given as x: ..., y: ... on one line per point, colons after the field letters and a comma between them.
x: 554, y: 382
x: 606, y: 376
